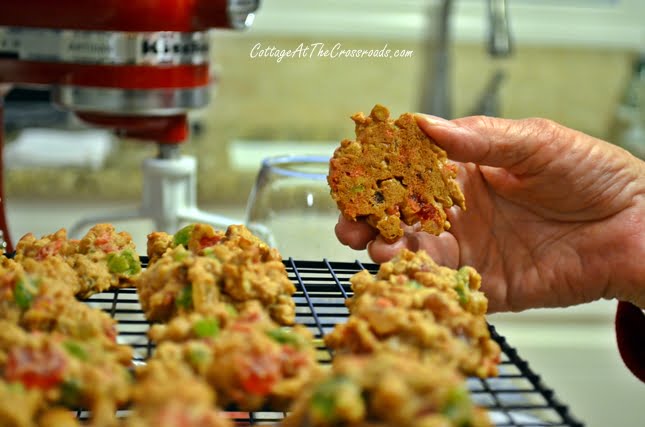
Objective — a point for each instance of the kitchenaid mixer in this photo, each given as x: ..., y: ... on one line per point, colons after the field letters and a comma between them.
x: 135, y: 66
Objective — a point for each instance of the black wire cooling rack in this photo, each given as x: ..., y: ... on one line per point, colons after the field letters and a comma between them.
x: 517, y: 397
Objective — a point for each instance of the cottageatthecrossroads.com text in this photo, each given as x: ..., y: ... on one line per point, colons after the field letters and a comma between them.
x: 322, y: 50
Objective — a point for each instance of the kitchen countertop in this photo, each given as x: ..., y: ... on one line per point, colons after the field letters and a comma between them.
x: 120, y: 178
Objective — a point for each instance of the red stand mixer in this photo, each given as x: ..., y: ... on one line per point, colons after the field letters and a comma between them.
x: 135, y: 66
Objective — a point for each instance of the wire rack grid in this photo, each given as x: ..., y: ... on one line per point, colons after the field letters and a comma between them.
x: 516, y: 398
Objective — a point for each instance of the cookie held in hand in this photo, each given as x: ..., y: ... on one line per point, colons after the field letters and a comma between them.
x: 393, y: 172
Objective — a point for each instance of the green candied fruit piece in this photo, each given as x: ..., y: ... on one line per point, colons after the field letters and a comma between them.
x: 358, y: 188
x: 75, y: 349
x: 206, y: 328
x: 24, y: 291
x: 414, y: 284
x: 284, y: 336
x: 198, y: 356
x: 125, y: 262
x: 16, y: 387
x: 70, y: 393
x: 458, y: 407
x: 231, y: 310
x: 185, y: 298
x: 180, y: 255
x: 212, y: 252
x: 462, y: 287
x: 183, y: 236
x: 324, y: 400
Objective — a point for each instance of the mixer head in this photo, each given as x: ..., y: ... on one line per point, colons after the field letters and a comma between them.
x: 136, y: 65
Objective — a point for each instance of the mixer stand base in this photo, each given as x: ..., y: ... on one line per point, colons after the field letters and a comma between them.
x: 169, y: 199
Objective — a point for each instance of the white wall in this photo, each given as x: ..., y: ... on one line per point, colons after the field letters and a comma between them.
x: 591, y: 23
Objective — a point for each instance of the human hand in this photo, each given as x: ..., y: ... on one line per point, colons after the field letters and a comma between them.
x: 555, y: 217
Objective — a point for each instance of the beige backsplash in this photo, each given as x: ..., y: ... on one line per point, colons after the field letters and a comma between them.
x: 312, y: 99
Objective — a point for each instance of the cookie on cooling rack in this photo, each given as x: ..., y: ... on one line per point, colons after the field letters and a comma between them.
x: 420, y: 269
x: 65, y: 371
x: 250, y: 363
x: 412, y: 306
x: 103, y: 259
x: 25, y: 407
x: 39, y: 303
x: 258, y: 363
x: 204, y: 268
x: 392, y: 173
x: 203, y: 239
x: 168, y: 393
x: 19, y: 406
x: 386, y: 390
x: 377, y: 325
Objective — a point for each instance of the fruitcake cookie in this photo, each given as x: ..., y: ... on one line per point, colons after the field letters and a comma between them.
x: 435, y: 331
x: 258, y: 363
x: 67, y: 371
x: 251, y: 363
x: 202, y: 267
x: 19, y: 289
x: 420, y: 269
x: 203, y: 239
x: 169, y: 394
x: 44, y: 304
x: 103, y: 259
x: 393, y: 173
x: 19, y: 405
x: 386, y: 390
x: 414, y: 306
x: 194, y: 325
x: 25, y: 407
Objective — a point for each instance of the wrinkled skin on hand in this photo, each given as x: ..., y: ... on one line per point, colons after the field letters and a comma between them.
x: 556, y: 217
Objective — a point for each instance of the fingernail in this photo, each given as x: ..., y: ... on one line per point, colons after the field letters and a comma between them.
x: 430, y: 120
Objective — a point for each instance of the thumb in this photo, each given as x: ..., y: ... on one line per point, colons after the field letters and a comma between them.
x: 493, y: 141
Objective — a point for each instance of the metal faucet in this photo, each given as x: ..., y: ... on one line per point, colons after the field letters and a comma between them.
x: 436, y: 94
x: 499, y: 35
